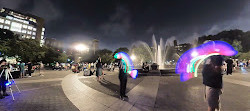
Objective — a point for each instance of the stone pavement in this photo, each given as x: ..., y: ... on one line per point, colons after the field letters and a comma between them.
x: 39, y: 93
x: 160, y: 93
x: 66, y: 91
x: 141, y: 96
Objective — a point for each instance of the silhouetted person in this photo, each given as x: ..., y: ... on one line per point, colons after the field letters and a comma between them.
x: 212, y: 79
x: 29, y: 68
x: 3, y: 79
x: 123, y: 79
x: 99, y: 69
x: 229, y: 66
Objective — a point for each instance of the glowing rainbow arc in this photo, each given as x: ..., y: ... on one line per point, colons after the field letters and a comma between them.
x: 129, y: 66
x: 188, y: 64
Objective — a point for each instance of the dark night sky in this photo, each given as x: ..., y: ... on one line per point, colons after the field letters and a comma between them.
x: 119, y: 23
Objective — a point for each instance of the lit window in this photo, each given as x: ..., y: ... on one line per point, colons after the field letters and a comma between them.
x: 6, y: 27
x: 7, y: 22
x: 9, y: 17
x: 28, y: 32
x: 43, y: 29
x: 23, y: 36
x: 24, y: 31
x: 33, y: 37
x: 42, y: 33
x: 34, y: 29
x: 1, y: 20
x: 1, y: 26
x: 16, y: 27
x: 28, y: 37
x: 30, y: 28
x: 42, y: 37
x: 34, y: 33
x: 25, y: 26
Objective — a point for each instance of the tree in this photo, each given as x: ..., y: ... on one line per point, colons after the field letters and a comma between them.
x: 7, y: 41
x: 106, y: 55
x: 243, y: 56
x: 237, y: 45
x: 245, y: 42
x: 51, y: 55
x: 121, y: 49
x: 62, y: 58
x: 29, y: 50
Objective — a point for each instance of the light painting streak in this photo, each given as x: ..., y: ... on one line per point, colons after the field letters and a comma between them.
x: 129, y: 66
x: 188, y: 64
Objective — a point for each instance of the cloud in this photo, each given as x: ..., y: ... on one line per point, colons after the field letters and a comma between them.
x: 12, y: 4
x: 213, y: 30
x: 116, y: 29
x: 42, y: 8
x: 191, y: 38
x: 46, y: 9
x: 118, y: 24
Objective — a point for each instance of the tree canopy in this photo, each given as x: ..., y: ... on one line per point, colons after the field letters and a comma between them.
x: 27, y: 49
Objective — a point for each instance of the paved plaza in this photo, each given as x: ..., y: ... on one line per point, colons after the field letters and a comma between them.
x: 67, y: 91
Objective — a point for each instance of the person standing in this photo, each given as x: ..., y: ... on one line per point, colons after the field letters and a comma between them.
x: 229, y: 66
x: 3, y: 79
x: 212, y: 79
x: 248, y: 63
x: 99, y: 69
x: 123, y: 79
x: 41, y: 69
x: 22, y: 69
x: 29, y: 68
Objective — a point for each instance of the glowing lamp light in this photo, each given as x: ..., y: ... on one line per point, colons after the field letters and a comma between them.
x: 133, y: 57
x: 129, y: 66
x: 189, y: 62
x: 81, y: 47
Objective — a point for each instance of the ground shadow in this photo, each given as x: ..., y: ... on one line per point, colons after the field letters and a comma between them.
x: 111, y: 86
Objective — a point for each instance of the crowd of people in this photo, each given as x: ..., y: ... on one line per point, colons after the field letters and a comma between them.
x: 231, y: 65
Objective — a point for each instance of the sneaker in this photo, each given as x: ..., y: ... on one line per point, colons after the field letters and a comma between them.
x: 29, y: 76
x: 121, y: 97
x: 125, y: 96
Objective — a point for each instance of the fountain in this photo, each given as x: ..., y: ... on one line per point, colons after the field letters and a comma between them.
x: 157, y: 52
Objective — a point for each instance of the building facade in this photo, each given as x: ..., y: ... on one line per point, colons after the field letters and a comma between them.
x: 52, y: 42
x: 25, y: 25
x: 95, y: 45
x: 181, y: 48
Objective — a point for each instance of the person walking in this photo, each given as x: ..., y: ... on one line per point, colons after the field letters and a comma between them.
x: 212, y: 79
x: 123, y: 79
x: 99, y: 69
x: 229, y: 66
